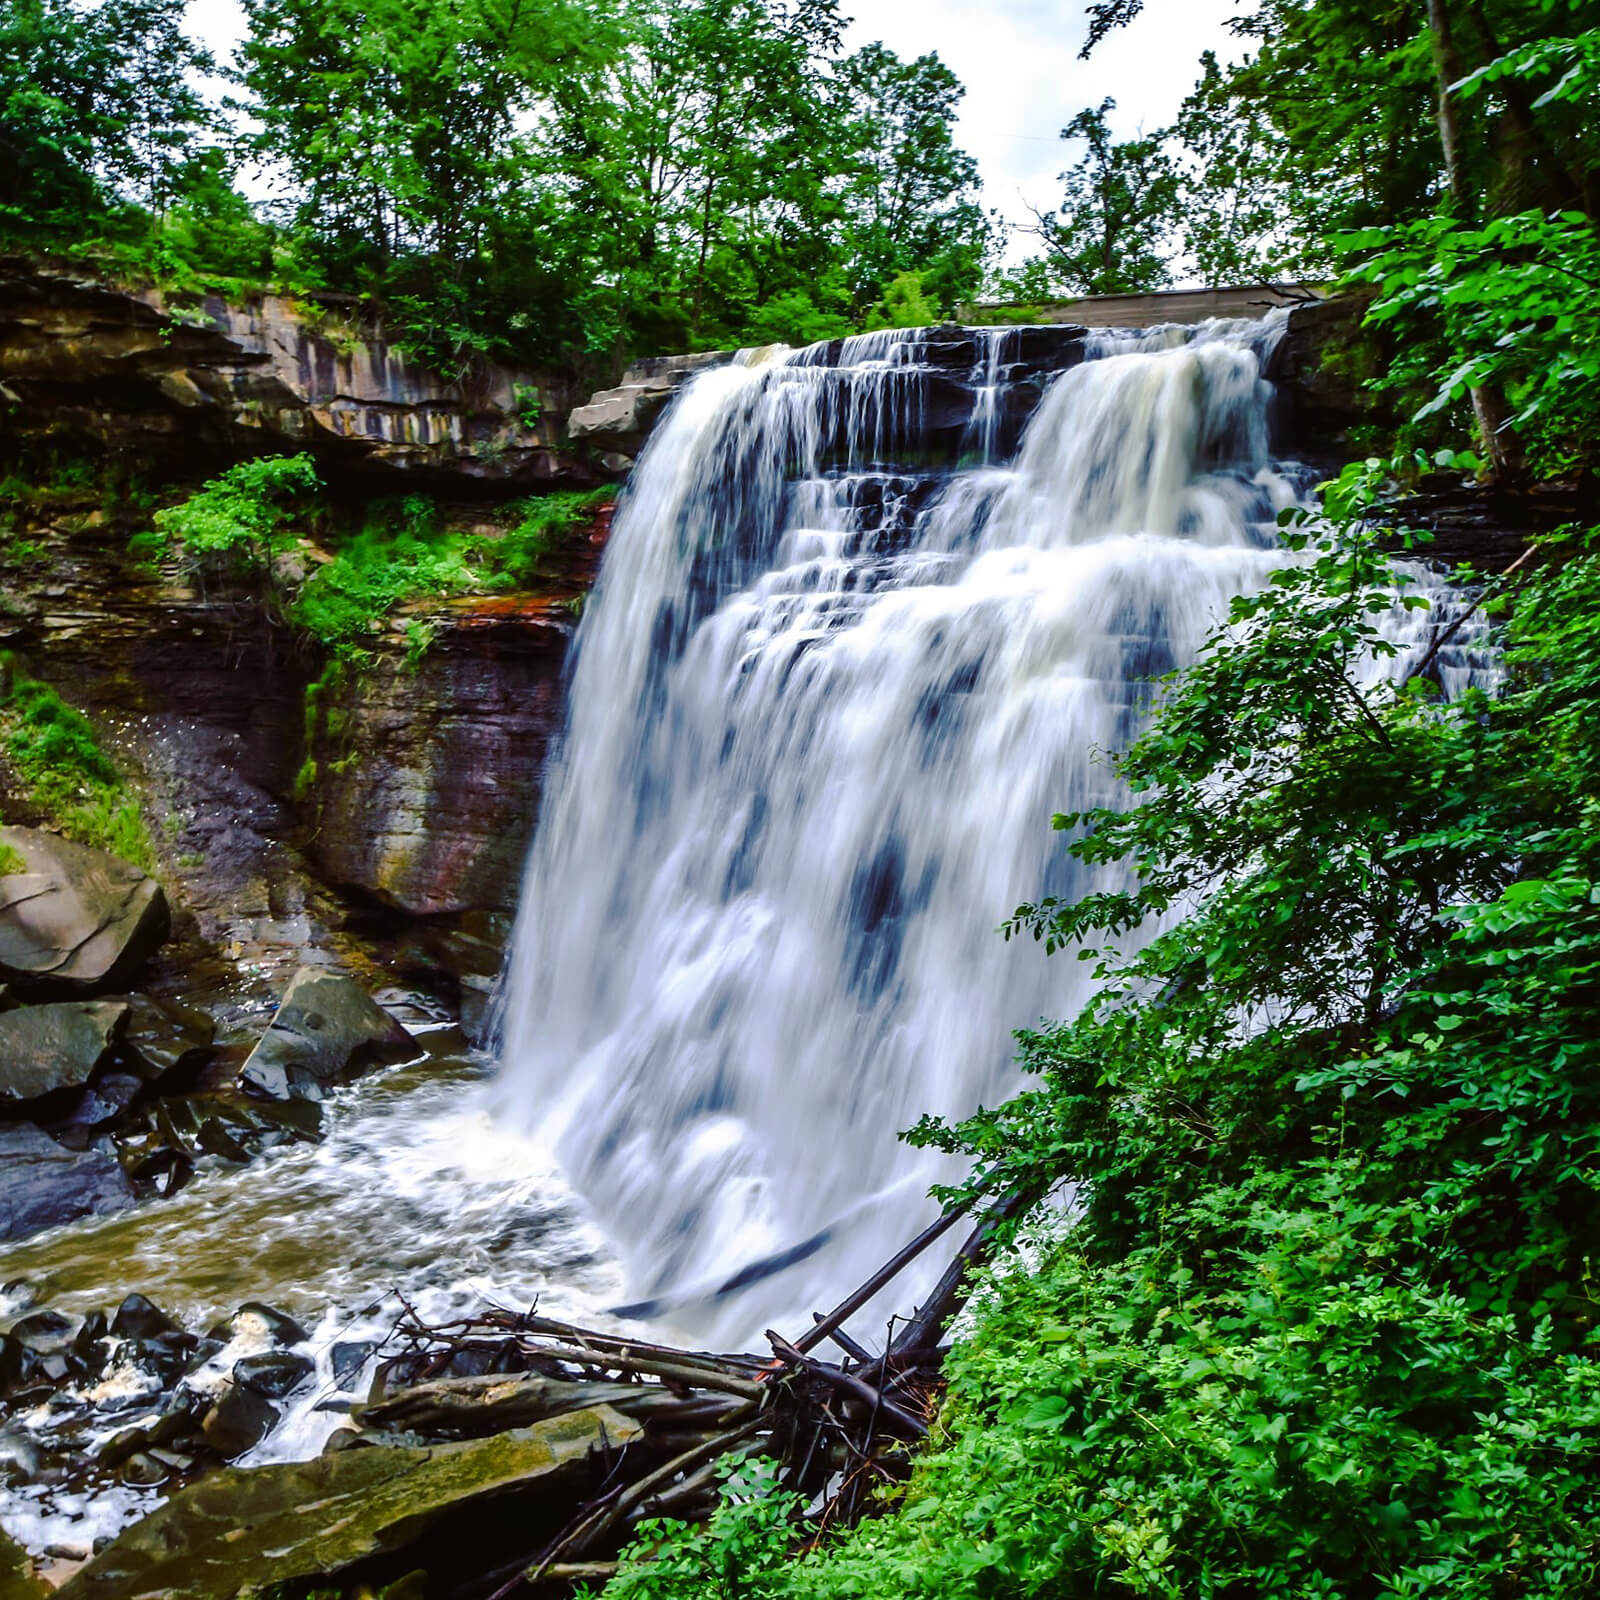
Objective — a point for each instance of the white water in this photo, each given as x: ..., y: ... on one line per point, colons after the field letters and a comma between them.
x: 823, y: 709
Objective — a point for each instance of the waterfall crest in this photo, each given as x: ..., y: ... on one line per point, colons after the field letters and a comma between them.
x: 827, y: 694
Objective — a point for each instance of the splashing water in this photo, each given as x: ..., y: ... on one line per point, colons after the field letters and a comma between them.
x: 825, y: 702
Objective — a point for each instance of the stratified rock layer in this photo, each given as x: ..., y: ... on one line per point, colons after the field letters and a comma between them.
x: 171, y: 383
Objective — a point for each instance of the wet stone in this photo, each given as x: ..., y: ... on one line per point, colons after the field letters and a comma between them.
x: 139, y: 1318
x: 238, y: 1422
x: 143, y: 1471
x: 43, y: 1184
x: 349, y: 1360
x: 167, y: 1044
x: 278, y: 1326
x: 274, y: 1374
x: 327, y: 1029
x: 45, y: 1049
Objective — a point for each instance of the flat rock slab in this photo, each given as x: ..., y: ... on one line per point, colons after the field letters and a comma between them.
x: 47, y: 1048
x: 42, y: 1185
x: 248, y: 1528
x: 76, y: 920
x: 327, y: 1028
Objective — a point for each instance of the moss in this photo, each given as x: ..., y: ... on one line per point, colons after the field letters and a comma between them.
x: 11, y: 861
x: 57, y: 761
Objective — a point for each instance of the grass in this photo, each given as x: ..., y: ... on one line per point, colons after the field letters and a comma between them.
x: 54, y: 755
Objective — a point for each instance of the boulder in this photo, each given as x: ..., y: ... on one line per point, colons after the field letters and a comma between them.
x: 76, y: 920
x: 274, y: 1373
x: 239, y: 1421
x: 42, y: 1185
x: 326, y: 1030
x: 44, y: 1049
x: 276, y: 1524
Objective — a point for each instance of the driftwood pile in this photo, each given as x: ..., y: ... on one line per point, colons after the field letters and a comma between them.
x: 837, y: 1427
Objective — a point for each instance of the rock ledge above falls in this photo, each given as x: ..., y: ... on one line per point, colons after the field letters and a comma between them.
x: 171, y: 384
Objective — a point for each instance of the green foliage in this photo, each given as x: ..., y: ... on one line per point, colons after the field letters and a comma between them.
x: 1110, y: 233
x: 904, y: 305
x: 743, y: 1553
x: 244, y: 521
x: 52, y: 752
x: 406, y: 552
x: 11, y: 861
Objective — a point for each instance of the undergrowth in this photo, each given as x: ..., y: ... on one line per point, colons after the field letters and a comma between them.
x: 51, y: 751
x: 255, y: 521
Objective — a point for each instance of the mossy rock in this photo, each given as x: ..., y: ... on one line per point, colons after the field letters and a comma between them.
x: 246, y: 1529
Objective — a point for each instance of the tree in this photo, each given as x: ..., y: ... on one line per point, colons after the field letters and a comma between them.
x: 397, y: 125
x: 1113, y: 231
x: 97, y: 112
x: 908, y: 191
x: 1236, y: 225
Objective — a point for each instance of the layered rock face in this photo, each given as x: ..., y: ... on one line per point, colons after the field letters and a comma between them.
x: 427, y: 775
x: 179, y: 383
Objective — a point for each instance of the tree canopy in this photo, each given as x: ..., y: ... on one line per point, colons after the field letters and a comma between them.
x: 557, y: 180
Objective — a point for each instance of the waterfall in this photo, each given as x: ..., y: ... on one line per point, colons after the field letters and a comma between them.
x: 838, y: 672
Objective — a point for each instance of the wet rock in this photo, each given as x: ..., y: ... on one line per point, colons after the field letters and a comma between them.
x: 40, y: 1348
x: 143, y: 1471
x: 21, y: 1461
x: 77, y: 919
x: 327, y: 1029
x: 238, y: 1421
x: 44, y: 1049
x: 312, y: 1519
x: 254, y: 1319
x: 274, y: 1374
x: 176, y: 1133
x: 96, y: 1107
x: 139, y: 1318
x: 348, y: 1360
x: 43, y: 1185
x: 167, y: 1044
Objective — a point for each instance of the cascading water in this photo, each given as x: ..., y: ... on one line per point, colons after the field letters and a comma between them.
x: 826, y: 699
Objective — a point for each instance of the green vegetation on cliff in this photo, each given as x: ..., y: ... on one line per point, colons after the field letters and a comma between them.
x: 51, y: 756
x: 337, y: 576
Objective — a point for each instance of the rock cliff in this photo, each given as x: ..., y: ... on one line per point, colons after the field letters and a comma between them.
x: 172, y: 384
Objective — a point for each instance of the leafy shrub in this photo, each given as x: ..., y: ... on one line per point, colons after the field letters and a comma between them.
x: 245, y: 519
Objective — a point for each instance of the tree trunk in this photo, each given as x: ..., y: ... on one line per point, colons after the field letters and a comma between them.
x: 1488, y: 408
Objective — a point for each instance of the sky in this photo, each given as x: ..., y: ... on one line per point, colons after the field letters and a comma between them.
x: 1019, y: 62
